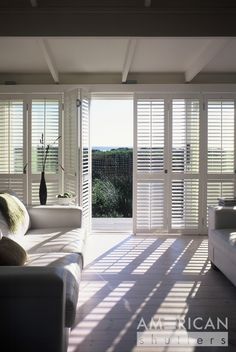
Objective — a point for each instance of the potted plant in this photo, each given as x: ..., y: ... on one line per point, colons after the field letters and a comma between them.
x: 65, y: 198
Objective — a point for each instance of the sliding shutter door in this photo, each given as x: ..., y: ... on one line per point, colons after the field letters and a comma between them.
x: 185, y: 164
x: 149, y: 165
x: 45, y: 127
x: 220, y: 149
x: 12, y: 152
x: 71, y: 142
x: 85, y: 159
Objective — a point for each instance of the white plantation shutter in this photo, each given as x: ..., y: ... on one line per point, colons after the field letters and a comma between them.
x: 185, y: 164
x: 185, y: 199
x: 220, y: 149
x: 150, y: 136
x: 71, y: 133
x: 12, y: 155
x: 185, y: 136
x: 77, y: 156
x: 220, y: 136
x: 45, y: 119
x: 149, y: 164
x: 85, y: 160
x: 150, y: 206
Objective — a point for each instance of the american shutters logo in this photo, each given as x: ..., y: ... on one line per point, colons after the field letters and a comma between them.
x: 193, y: 331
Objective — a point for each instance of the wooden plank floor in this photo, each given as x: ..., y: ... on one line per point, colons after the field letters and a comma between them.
x: 112, y: 224
x: 129, y: 277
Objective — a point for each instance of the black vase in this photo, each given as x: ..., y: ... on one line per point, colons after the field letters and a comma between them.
x: 43, y: 190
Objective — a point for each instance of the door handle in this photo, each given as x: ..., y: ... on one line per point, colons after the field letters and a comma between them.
x: 166, y: 171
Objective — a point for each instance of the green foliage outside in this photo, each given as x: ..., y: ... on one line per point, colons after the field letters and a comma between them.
x: 105, y: 198
x: 112, y: 183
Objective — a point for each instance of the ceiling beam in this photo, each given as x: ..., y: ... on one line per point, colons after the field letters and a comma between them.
x: 43, y: 44
x: 34, y: 3
x: 213, y: 47
x: 128, y: 58
x: 146, y: 22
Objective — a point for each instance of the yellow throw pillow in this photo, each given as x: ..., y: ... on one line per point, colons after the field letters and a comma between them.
x: 11, y: 253
x: 14, y: 217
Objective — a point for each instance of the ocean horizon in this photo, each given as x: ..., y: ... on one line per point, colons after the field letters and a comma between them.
x: 105, y: 149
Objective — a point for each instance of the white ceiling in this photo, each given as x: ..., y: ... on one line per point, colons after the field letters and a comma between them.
x: 225, y: 61
x: 21, y: 56
x: 165, y: 54
x: 109, y: 55
x: 88, y: 54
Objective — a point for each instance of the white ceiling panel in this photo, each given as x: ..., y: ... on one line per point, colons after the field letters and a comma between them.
x: 107, y: 55
x: 225, y: 61
x: 165, y: 54
x: 21, y: 55
x: 88, y: 54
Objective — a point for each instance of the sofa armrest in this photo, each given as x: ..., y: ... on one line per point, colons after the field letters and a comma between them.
x: 221, y: 218
x: 32, y: 306
x: 55, y: 216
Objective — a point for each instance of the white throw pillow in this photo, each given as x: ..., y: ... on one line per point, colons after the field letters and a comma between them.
x: 22, y: 228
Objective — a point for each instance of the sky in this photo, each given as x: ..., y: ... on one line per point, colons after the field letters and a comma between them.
x: 112, y: 123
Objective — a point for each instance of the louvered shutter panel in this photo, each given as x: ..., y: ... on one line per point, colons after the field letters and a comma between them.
x: 85, y: 160
x: 149, y: 182
x: 150, y: 206
x: 71, y: 133
x: 220, y: 136
x: 185, y: 164
x: 185, y: 208
x: 220, y: 149
x: 11, y: 146
x: 45, y: 119
x: 150, y: 136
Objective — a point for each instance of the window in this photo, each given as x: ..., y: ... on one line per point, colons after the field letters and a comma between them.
x: 45, y: 121
x: 20, y: 148
x: 11, y: 145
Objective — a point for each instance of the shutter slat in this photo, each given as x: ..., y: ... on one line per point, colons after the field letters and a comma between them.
x: 220, y: 156
x: 150, y: 161
x: 86, y: 182
x: 220, y: 136
x: 70, y: 142
x: 150, y: 205
x: 185, y: 204
x: 11, y: 146
x: 150, y: 135
x: 185, y: 162
x: 185, y: 136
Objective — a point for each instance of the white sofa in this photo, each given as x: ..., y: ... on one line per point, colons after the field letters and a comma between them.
x: 38, y: 300
x: 222, y: 240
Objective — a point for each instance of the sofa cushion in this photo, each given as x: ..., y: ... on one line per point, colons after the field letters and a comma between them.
x: 11, y: 253
x: 225, y: 239
x: 72, y: 263
x: 14, y: 217
x: 49, y: 240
